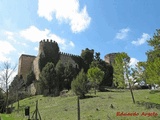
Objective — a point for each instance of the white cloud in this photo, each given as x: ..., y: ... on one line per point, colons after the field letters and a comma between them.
x: 133, y: 62
x: 141, y: 40
x: 9, y: 35
x: 122, y: 33
x: 71, y: 44
x: 33, y: 34
x: 5, y: 49
x: 13, y: 37
x: 65, y: 11
x: 36, y: 48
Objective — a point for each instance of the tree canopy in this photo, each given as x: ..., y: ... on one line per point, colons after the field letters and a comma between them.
x: 79, y: 84
x: 48, y: 78
x: 95, y: 76
x: 121, y: 67
x: 87, y: 55
x: 153, y: 60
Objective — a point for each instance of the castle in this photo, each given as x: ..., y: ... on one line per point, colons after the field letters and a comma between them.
x: 29, y: 63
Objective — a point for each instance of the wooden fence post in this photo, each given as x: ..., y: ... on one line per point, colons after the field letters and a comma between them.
x: 78, y: 108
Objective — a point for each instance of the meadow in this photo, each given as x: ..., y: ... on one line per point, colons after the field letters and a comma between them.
x: 104, y: 106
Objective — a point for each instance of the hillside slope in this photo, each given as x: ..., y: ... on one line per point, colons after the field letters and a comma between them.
x: 93, y: 108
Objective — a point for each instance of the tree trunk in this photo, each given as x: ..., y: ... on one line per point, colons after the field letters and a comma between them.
x: 131, y: 92
x: 6, y: 107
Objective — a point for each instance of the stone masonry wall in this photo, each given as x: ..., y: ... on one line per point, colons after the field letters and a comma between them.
x: 25, y: 65
x: 65, y: 58
x: 109, y: 58
x: 36, y: 67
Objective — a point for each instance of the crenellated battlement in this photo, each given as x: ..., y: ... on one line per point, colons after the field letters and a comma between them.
x: 48, y: 41
x: 69, y: 55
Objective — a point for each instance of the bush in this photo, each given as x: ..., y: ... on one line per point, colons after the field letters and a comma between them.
x: 79, y: 85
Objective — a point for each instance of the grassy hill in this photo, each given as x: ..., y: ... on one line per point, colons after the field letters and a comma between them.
x: 93, y: 108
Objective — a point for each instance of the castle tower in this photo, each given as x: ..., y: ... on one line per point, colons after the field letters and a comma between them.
x: 25, y: 65
x: 48, y: 52
x: 47, y: 45
x: 109, y: 58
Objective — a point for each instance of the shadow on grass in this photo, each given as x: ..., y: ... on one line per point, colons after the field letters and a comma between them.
x: 148, y: 105
x: 154, y: 91
x: 89, y: 96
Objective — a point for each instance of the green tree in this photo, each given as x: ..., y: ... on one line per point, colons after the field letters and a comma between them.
x: 153, y: 71
x: 121, y: 67
x: 30, y: 78
x: 87, y: 56
x: 153, y: 60
x: 106, y: 68
x: 69, y: 74
x: 48, y: 78
x: 155, y: 44
x: 95, y: 76
x: 122, y: 72
x: 79, y: 85
x: 60, y: 74
x: 2, y: 101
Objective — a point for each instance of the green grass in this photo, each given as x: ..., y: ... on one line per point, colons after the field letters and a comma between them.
x: 95, y: 108
x: 7, y: 117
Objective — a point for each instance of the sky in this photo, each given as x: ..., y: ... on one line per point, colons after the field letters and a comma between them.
x: 107, y: 26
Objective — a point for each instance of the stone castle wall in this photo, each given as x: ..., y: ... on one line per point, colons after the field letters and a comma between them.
x: 68, y: 58
x: 109, y: 58
x: 36, y: 68
x: 25, y: 65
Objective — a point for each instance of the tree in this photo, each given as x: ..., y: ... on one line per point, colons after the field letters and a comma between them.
x: 79, y: 85
x: 60, y: 74
x: 95, y: 76
x: 48, y: 78
x: 69, y: 74
x: 155, y: 44
x: 13, y: 88
x: 30, y: 78
x: 2, y: 101
x: 120, y: 66
x: 6, y: 73
x: 106, y: 68
x: 153, y: 60
x: 87, y: 56
x: 153, y: 71
x: 122, y: 72
x: 138, y: 72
